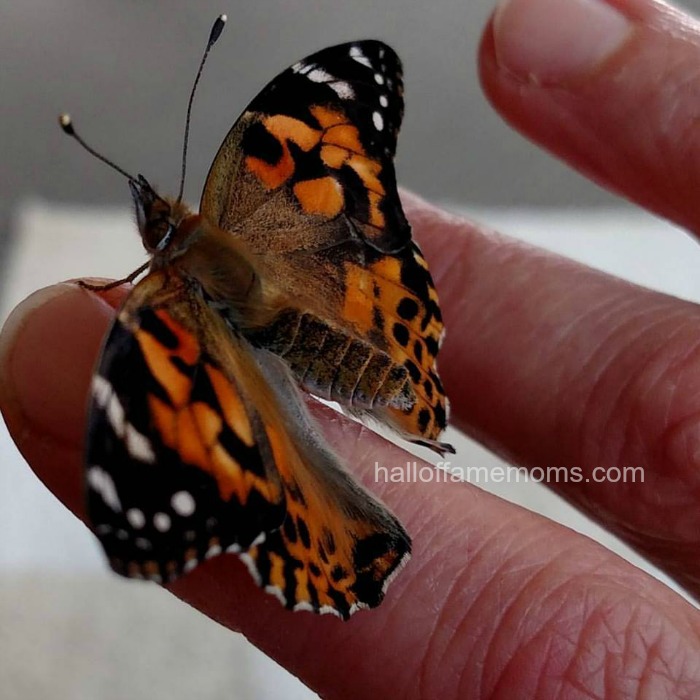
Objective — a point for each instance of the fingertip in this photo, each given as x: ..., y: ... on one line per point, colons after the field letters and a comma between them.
x: 48, y: 348
x: 552, y: 42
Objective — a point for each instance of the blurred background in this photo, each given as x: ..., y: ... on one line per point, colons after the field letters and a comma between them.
x: 124, y: 70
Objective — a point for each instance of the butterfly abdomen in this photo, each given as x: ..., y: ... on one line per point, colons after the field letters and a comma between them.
x: 332, y: 364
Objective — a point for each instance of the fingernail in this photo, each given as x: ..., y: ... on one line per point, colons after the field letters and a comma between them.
x: 551, y: 41
x: 48, y: 348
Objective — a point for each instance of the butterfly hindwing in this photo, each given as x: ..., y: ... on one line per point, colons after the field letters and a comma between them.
x: 199, y: 443
x: 338, y: 547
x: 306, y: 178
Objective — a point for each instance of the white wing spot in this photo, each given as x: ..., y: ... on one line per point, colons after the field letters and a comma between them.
x: 318, y: 75
x: 378, y: 121
x: 342, y: 89
x: 115, y: 414
x: 137, y: 444
x: 379, y: 78
x: 250, y: 565
x: 213, y: 551
x: 102, y: 483
x: 329, y: 610
x: 258, y: 540
x: 101, y: 390
x: 277, y: 592
x: 190, y: 564
x: 357, y: 55
x: 161, y: 521
x: 136, y: 518
x: 183, y: 503
x: 143, y: 543
x: 383, y: 100
x: 357, y: 606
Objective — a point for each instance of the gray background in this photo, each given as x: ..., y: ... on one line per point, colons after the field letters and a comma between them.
x: 124, y: 69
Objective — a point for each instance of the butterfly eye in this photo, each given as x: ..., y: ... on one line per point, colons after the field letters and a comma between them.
x: 163, y: 243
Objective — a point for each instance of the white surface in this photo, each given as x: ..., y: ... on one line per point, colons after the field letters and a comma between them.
x: 53, y: 243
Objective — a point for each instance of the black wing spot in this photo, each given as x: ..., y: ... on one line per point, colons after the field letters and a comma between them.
x: 290, y: 531
x: 303, y: 533
x: 338, y: 573
x: 258, y: 142
x: 401, y: 334
x: 423, y: 419
x: 149, y: 322
x: 440, y: 415
x: 418, y: 350
x: 407, y: 309
x: 431, y: 345
x: 412, y: 370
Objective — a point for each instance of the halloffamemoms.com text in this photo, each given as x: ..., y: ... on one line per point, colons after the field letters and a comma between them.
x: 445, y: 472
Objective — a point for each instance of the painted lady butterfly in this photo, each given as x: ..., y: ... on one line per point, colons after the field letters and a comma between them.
x: 299, y: 271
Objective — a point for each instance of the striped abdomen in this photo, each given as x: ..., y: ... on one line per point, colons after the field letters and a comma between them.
x: 330, y: 363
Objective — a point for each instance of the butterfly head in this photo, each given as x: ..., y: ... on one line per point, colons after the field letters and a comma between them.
x: 158, y: 219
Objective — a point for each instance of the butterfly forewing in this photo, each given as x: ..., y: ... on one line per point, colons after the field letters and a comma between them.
x: 306, y: 178
x: 178, y: 461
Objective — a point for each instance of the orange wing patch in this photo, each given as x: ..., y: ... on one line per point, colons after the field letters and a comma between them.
x: 340, y: 145
x: 377, y: 300
x: 192, y: 428
x: 321, y: 196
x: 333, y: 553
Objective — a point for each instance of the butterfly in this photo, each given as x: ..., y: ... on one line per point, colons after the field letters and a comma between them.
x: 298, y: 274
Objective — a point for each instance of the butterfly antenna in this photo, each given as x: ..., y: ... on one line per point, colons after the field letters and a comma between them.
x: 67, y: 125
x: 214, y: 35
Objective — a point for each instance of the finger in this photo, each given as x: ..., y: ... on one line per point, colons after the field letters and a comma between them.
x: 555, y: 365
x: 610, y: 86
x: 64, y: 332
x: 496, y: 601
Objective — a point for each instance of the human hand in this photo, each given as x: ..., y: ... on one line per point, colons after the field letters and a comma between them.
x: 546, y: 362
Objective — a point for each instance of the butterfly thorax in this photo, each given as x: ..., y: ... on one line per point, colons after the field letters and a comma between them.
x: 189, y: 244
